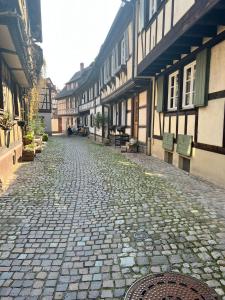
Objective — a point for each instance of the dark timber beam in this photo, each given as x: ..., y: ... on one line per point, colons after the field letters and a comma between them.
x: 215, y: 18
x: 193, y: 41
x: 7, y: 51
x: 200, y: 9
x: 16, y: 69
x: 202, y: 31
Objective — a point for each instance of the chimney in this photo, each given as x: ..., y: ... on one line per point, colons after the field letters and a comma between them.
x: 81, y: 67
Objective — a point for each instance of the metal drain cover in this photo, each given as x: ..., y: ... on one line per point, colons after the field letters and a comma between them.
x: 170, y: 286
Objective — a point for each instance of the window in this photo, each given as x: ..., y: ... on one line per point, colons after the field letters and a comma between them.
x: 123, y: 52
x: 123, y: 113
x: 115, y: 114
x: 189, y: 85
x: 113, y: 62
x: 141, y: 16
x: 92, y: 120
x: 152, y: 8
x: 173, y: 91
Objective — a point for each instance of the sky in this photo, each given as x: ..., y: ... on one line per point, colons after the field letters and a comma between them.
x: 73, y: 32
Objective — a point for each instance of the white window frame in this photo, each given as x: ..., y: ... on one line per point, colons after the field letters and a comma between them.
x: 176, y: 89
x: 192, y: 65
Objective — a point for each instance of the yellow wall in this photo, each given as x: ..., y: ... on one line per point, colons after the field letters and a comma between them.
x: 168, y: 13
x: 142, y: 117
x: 209, y: 165
x: 180, y: 8
x: 217, y: 68
x: 55, y: 125
x: 211, y: 119
x: 159, y: 26
x: 143, y: 98
x: 142, y: 135
x: 181, y: 124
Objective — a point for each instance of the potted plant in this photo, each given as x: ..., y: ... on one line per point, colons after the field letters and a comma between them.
x: 45, y: 137
x: 6, y: 123
x: 28, y: 138
x: 21, y: 123
x: 100, y: 120
x: 28, y: 152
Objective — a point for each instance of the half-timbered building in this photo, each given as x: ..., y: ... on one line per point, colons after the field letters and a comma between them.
x: 181, y: 45
x: 68, y: 100
x: 47, y: 95
x: 159, y: 78
x: 20, y: 65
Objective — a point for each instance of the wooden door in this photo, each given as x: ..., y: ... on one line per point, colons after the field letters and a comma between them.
x: 136, y: 117
x: 60, y: 125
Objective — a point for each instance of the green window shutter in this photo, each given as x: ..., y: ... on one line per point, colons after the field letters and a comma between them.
x: 202, y: 78
x: 160, y: 93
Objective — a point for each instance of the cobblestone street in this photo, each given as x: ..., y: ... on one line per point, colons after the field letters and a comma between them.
x: 83, y: 222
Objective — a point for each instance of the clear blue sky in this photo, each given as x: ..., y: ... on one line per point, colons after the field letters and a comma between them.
x: 73, y: 32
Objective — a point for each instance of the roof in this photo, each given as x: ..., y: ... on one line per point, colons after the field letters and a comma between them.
x: 80, y: 77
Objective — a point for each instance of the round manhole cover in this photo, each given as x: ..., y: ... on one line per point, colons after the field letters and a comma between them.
x: 170, y: 286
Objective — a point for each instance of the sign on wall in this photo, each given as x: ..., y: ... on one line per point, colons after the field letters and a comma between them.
x: 168, y: 141
x: 184, y: 144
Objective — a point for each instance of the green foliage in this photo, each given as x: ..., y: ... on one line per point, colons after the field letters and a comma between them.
x: 37, y: 126
x: 99, y: 120
x: 30, y: 147
x: 45, y: 137
x: 29, y: 137
x: 6, y: 122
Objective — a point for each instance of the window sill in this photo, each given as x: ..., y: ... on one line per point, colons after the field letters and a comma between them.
x: 188, y: 107
x: 171, y: 109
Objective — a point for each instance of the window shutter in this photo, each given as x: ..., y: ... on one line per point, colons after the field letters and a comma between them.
x: 202, y: 78
x: 160, y: 93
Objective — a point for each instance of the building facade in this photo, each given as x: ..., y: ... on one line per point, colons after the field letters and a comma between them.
x: 68, y: 101
x: 20, y: 66
x: 47, y: 106
x: 159, y: 77
x: 184, y: 53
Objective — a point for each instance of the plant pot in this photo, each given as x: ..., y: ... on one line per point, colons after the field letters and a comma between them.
x: 28, y: 155
x: 7, y: 137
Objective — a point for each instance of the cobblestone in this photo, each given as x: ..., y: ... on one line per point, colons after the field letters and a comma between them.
x: 84, y: 222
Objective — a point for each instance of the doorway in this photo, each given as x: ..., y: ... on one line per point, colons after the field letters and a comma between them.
x: 60, y: 125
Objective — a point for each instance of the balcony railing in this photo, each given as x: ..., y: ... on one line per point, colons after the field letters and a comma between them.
x: 68, y: 112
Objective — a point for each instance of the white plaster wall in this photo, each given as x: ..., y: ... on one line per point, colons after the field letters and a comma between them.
x: 47, y: 121
x: 210, y: 124
x: 217, y: 68
x: 180, y: 8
